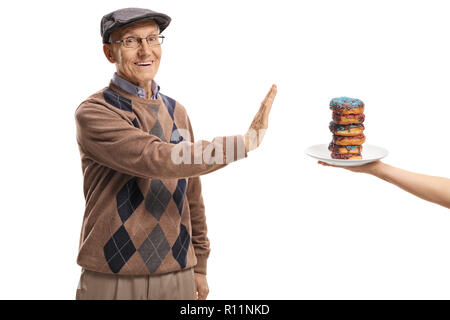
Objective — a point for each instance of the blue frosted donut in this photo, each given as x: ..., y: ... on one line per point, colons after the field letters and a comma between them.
x: 346, y: 130
x: 346, y: 105
x: 354, y: 149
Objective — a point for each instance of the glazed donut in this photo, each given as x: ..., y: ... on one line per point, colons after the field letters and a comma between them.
x: 345, y: 105
x: 349, y: 141
x: 348, y: 118
x: 346, y: 156
x: 348, y: 130
x: 334, y: 148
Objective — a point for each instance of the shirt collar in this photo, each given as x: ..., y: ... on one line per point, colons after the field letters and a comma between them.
x: 133, y: 89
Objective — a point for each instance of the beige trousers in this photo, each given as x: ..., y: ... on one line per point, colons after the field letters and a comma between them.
x: 100, y: 286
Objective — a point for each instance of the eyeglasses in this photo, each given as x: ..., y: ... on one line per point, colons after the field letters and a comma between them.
x: 135, y: 42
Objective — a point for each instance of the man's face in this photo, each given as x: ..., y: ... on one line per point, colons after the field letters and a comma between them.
x: 127, y: 59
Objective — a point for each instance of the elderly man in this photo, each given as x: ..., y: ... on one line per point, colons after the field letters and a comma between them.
x: 144, y: 233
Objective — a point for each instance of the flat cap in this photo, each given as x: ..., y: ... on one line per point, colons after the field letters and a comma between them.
x: 128, y: 16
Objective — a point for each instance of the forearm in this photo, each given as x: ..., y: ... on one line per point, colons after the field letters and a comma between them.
x: 430, y: 188
x: 107, y: 138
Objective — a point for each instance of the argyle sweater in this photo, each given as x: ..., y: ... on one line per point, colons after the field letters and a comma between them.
x: 144, y: 212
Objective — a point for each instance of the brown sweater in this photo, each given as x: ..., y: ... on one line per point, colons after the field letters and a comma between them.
x: 144, y: 212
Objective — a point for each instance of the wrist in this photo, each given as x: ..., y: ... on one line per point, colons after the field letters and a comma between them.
x: 377, y: 169
x: 201, y: 266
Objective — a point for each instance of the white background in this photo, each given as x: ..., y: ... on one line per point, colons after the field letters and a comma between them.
x: 280, y: 225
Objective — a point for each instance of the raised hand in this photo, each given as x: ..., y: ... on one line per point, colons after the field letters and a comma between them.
x: 260, y: 123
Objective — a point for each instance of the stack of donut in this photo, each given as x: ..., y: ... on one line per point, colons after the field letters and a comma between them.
x: 347, y: 128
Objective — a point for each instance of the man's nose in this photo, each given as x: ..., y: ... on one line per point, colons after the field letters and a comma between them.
x: 145, y: 48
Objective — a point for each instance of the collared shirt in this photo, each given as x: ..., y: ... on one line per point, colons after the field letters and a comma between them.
x: 133, y: 89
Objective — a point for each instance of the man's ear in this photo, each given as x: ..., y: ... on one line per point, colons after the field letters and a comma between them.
x: 107, y: 50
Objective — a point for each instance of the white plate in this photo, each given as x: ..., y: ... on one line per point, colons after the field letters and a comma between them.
x: 369, y: 154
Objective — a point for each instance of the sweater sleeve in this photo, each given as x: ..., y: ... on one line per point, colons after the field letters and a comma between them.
x: 200, y: 239
x: 110, y: 139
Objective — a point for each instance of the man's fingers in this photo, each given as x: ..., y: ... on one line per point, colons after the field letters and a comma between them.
x: 267, y: 106
x: 260, y: 121
x: 270, y: 95
x: 202, y: 295
x: 273, y: 92
x: 203, y: 291
x: 267, y: 96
